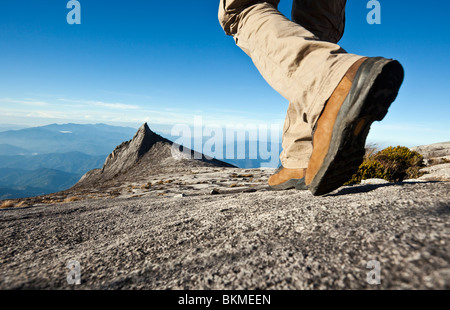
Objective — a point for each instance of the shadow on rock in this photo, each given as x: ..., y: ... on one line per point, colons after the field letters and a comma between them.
x: 358, y: 189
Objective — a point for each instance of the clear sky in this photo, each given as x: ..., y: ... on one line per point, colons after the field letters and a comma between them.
x: 166, y: 62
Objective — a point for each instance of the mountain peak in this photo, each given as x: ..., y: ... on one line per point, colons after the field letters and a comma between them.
x: 144, y: 129
x: 130, y: 152
x: 147, y: 153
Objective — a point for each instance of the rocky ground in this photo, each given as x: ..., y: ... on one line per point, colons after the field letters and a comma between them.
x: 220, y: 228
x: 154, y: 217
x: 437, y: 161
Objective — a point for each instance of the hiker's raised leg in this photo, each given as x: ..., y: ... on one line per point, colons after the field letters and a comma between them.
x: 324, y: 18
x: 314, y: 76
x: 291, y: 59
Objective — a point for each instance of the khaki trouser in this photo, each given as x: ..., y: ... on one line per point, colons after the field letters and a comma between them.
x: 300, y: 59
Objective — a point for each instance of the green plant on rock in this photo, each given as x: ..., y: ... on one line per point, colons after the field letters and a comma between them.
x: 393, y: 164
x: 369, y: 169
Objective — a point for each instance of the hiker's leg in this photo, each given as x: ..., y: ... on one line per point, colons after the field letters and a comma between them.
x: 324, y: 18
x: 292, y: 60
x: 297, y: 140
x: 230, y: 10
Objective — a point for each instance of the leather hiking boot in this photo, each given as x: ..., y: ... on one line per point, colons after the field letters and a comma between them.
x: 285, y: 178
x: 339, y: 136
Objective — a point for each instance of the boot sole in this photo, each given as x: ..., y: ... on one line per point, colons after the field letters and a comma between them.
x: 374, y: 88
x: 298, y: 184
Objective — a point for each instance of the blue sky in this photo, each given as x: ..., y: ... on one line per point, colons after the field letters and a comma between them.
x: 165, y: 62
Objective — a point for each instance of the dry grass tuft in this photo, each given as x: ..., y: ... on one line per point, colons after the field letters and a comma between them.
x: 21, y: 204
x: 245, y: 175
x: 146, y: 186
x: 7, y: 204
x: 72, y: 199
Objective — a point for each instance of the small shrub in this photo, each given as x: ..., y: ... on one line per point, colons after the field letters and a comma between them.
x: 371, y: 151
x: 393, y: 164
x: 400, y: 162
x: 369, y: 169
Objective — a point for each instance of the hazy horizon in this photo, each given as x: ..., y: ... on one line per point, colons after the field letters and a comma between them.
x: 165, y: 130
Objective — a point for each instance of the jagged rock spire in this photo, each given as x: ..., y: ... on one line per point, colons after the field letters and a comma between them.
x: 145, y: 154
x: 129, y: 153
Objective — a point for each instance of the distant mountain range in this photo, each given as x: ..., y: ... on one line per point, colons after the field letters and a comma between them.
x: 42, y: 160
x: 8, y: 149
x: 19, y: 183
x: 98, y: 139
x: 72, y: 162
x: 7, y: 127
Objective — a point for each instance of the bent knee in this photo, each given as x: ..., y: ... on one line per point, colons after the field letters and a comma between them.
x: 229, y: 11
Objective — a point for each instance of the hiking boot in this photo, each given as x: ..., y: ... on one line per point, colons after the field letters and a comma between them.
x: 285, y: 178
x: 339, y: 136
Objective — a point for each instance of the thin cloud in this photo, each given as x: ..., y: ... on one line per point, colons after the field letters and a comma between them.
x: 27, y: 101
x: 127, y: 94
x: 109, y: 105
x: 47, y: 114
